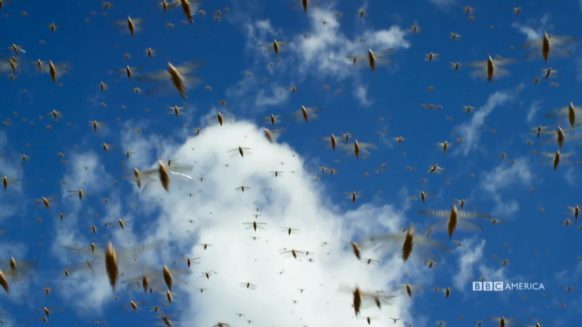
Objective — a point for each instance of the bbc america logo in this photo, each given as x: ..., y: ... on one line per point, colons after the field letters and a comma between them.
x: 488, y: 286
x: 500, y: 286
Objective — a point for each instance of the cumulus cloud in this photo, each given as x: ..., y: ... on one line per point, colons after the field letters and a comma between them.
x: 471, y: 130
x: 211, y: 210
x: 292, y: 199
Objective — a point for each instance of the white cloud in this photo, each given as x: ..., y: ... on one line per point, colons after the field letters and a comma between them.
x: 254, y: 95
x: 321, y: 51
x: 571, y: 177
x: 534, y: 34
x: 9, y: 167
x: 361, y: 93
x: 275, y: 95
x: 530, y: 33
x: 20, y: 284
x: 471, y: 131
x: 259, y: 35
x: 470, y: 254
x: 290, y: 200
x: 505, y: 175
x: 325, y: 49
x: 218, y: 212
x: 392, y: 38
x: 473, y: 266
x: 11, y: 204
x: 86, y: 172
x: 494, y: 182
x: 251, y: 93
x: 491, y: 274
x: 533, y: 110
x: 143, y: 149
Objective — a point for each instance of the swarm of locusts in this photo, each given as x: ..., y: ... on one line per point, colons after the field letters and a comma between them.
x: 288, y: 92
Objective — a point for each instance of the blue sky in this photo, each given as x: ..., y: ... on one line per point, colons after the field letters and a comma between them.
x: 495, y: 162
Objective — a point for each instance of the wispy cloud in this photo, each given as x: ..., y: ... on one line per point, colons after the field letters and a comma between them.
x: 473, y: 265
x: 506, y: 175
x: 502, y: 177
x: 325, y: 49
x: 85, y: 171
x: 492, y: 274
x: 535, y: 107
x: 471, y: 130
x: 322, y: 50
x: 256, y: 95
x: 533, y: 34
x: 361, y: 93
x: 571, y: 177
x: 471, y: 253
x: 275, y: 95
x: 10, y: 168
x: 530, y: 33
x: 259, y: 35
